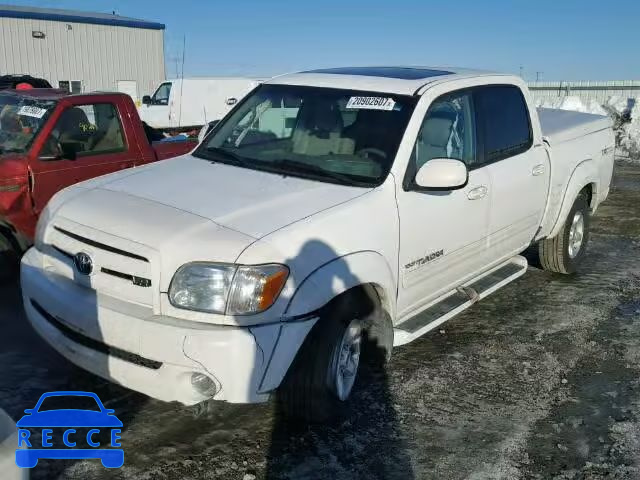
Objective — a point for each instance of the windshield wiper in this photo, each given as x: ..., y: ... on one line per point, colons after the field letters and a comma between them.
x: 303, y: 167
x: 227, y: 155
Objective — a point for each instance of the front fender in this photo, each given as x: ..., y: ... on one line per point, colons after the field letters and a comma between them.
x: 586, y: 173
x: 341, y: 274
x: 317, y: 290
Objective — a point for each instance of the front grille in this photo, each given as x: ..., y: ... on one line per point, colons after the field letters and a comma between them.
x: 122, y: 269
x: 137, y: 281
x: 95, y: 344
x: 101, y: 246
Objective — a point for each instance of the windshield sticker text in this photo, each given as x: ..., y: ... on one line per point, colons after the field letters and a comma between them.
x: 30, y: 111
x: 371, y: 103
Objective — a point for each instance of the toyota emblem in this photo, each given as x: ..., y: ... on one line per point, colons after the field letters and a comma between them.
x: 83, y: 263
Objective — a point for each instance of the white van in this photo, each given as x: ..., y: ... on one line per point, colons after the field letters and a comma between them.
x: 193, y: 102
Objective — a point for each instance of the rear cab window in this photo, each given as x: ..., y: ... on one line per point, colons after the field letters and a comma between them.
x: 505, y: 122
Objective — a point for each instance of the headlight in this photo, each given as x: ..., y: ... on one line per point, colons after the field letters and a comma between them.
x: 227, y: 289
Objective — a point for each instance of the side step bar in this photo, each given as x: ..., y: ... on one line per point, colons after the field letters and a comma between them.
x: 455, y: 303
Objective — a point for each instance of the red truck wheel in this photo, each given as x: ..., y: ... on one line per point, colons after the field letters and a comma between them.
x: 9, y: 259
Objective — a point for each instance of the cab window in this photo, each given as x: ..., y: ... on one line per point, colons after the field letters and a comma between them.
x: 86, y: 130
x: 161, y: 97
x: 448, y: 131
x: 505, y: 120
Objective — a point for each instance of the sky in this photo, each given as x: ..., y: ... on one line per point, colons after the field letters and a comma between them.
x: 549, y: 40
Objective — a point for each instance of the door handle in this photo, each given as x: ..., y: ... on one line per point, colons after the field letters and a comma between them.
x: 477, y: 193
x: 538, y: 170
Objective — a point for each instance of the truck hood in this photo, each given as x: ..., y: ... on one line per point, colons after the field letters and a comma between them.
x: 248, y: 201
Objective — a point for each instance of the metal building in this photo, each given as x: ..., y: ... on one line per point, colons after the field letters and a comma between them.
x: 82, y: 51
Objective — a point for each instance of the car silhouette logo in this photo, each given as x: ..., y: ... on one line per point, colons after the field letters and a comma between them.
x: 69, y: 424
x: 83, y: 263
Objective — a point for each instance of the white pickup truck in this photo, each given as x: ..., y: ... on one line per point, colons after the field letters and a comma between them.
x: 329, y: 216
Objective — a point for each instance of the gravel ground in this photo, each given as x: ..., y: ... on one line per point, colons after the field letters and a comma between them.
x: 539, y: 381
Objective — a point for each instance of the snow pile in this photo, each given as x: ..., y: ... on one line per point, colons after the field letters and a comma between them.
x: 573, y: 103
x: 625, y: 113
x: 626, y: 116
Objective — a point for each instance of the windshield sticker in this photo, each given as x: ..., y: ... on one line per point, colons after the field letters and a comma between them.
x: 30, y: 111
x: 371, y: 103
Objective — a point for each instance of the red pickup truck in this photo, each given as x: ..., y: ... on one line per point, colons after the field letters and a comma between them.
x: 50, y: 139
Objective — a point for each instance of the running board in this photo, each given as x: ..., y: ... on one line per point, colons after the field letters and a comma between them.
x: 455, y: 303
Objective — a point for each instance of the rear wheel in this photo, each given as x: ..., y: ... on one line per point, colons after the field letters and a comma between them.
x: 564, y: 252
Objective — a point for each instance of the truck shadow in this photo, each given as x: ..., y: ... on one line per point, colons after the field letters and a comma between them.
x: 366, y: 439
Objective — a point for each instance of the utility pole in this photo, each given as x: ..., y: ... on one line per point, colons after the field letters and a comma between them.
x: 176, y: 59
x: 521, y: 70
x: 538, y: 76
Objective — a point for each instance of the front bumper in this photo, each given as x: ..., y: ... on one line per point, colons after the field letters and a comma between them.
x: 155, y: 355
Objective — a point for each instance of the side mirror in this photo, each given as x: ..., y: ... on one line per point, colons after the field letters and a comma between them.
x: 69, y: 150
x: 29, y: 411
x: 442, y: 174
x: 146, y: 100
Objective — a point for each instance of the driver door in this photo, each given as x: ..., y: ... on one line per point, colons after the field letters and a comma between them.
x: 443, y: 234
x: 156, y: 113
x: 86, y: 141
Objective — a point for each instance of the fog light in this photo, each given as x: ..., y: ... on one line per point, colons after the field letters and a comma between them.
x: 203, y: 384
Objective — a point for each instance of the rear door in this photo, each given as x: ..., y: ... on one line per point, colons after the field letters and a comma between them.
x: 96, y: 133
x: 518, y: 168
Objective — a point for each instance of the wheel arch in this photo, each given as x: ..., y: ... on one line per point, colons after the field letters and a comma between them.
x: 366, y: 270
x: 583, y: 180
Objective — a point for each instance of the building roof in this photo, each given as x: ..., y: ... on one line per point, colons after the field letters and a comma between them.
x: 75, y: 16
x: 391, y: 79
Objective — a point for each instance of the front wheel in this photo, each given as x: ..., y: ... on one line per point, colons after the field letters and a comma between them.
x: 323, y: 375
x: 324, y: 372
x: 9, y: 259
x: 564, y: 252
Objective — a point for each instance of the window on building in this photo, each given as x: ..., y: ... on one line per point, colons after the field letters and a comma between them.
x: 71, y: 86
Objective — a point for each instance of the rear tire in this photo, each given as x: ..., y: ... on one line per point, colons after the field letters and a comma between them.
x: 321, y: 379
x: 564, y: 252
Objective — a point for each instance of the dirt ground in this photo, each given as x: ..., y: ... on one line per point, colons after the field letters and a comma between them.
x: 539, y: 381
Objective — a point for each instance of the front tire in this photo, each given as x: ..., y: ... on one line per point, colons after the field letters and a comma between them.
x: 564, y: 252
x: 9, y: 259
x: 321, y: 379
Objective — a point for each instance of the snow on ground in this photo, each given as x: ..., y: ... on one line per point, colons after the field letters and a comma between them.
x: 625, y: 113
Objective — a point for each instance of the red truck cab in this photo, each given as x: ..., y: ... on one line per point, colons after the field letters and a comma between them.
x: 50, y: 139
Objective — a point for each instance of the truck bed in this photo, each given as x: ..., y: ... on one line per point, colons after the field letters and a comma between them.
x: 560, y: 126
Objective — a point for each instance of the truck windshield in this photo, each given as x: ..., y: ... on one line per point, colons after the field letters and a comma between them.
x: 339, y: 136
x: 21, y: 118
